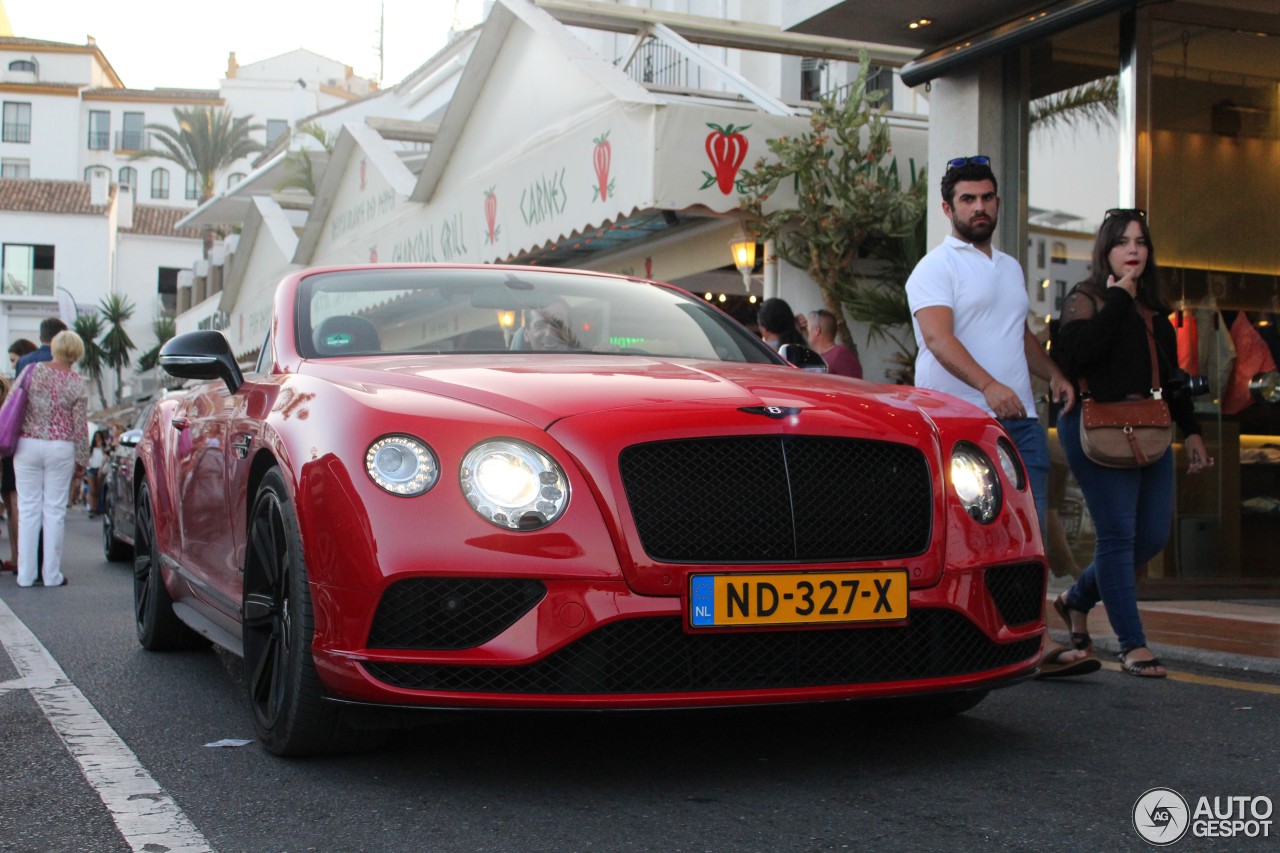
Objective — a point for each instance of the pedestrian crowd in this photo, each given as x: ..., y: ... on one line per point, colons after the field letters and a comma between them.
x: 53, y: 465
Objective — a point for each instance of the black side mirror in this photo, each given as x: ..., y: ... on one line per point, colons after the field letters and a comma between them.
x: 201, y: 355
x: 803, y: 357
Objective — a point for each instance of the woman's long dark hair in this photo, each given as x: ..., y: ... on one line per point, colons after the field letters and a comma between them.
x: 1110, y: 233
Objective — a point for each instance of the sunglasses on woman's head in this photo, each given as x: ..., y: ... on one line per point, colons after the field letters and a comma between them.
x: 1126, y: 211
x: 961, y: 162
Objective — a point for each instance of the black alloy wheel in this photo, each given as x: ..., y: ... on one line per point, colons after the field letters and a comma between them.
x: 113, y: 549
x: 289, y: 711
x: 158, y: 627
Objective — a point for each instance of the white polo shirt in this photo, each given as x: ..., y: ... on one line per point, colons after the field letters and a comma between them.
x: 988, y: 300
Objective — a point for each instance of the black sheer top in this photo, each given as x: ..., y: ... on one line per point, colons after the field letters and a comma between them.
x: 1104, y: 340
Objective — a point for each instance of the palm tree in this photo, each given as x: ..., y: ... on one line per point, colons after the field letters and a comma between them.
x: 302, y: 174
x: 1096, y: 103
x: 116, y: 344
x: 205, y: 141
x: 165, y: 327
x: 89, y: 327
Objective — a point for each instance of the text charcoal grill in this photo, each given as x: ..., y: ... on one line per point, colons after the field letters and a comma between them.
x: 761, y: 499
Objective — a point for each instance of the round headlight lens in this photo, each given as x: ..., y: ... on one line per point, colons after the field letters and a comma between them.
x: 514, y: 485
x: 401, y: 465
x: 1011, y: 463
x: 973, y: 476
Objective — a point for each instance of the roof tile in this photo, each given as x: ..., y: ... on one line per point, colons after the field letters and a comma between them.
x: 159, y: 221
x: 41, y: 196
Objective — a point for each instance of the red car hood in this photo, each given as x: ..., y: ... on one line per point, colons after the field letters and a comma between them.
x: 542, y: 390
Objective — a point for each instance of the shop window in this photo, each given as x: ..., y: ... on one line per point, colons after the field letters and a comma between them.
x: 17, y: 122
x: 160, y: 183
x: 27, y: 269
x: 13, y: 167
x: 99, y: 130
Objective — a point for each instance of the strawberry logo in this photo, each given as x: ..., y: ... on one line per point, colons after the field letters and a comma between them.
x: 491, y: 216
x: 727, y: 148
x: 601, y: 157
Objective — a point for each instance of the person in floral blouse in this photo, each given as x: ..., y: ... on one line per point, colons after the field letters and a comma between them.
x: 53, y: 447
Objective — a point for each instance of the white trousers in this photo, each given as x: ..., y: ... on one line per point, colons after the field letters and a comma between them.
x: 42, y: 470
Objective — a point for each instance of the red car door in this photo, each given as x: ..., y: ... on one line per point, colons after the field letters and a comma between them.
x: 206, y: 546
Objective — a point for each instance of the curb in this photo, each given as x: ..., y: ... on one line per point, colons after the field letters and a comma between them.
x: 1185, y: 654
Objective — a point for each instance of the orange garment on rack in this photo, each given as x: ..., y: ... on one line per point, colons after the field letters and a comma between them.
x: 1253, y: 356
x: 1188, y: 332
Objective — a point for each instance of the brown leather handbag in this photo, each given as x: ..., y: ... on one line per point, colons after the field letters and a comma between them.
x: 1127, y: 433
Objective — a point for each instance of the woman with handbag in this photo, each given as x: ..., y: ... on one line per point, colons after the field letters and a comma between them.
x: 8, y: 482
x: 1117, y: 345
x: 52, y: 450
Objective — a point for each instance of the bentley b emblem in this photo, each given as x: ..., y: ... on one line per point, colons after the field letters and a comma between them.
x: 775, y: 412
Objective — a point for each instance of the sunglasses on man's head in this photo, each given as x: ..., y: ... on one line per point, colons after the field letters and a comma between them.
x: 961, y: 162
x: 1126, y: 211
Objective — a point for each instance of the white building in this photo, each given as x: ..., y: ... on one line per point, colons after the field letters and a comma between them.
x: 81, y: 214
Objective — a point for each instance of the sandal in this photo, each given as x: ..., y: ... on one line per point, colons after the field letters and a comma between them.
x: 1053, y: 666
x: 1142, y: 668
x: 1079, y: 639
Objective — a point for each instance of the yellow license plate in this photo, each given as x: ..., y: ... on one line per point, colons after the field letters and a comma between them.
x: 797, y: 598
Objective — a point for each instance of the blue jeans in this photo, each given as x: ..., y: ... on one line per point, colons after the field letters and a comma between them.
x: 1132, y: 511
x: 1029, y: 437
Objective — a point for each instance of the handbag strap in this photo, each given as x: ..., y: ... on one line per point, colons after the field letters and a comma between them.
x: 1156, y: 393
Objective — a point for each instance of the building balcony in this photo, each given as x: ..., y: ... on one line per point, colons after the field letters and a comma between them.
x: 132, y: 140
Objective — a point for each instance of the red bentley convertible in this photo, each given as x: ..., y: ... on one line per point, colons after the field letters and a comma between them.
x: 502, y: 487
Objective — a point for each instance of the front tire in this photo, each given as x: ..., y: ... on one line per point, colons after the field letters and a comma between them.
x: 289, y: 711
x: 157, y: 626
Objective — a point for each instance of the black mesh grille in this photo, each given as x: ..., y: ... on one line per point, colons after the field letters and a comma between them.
x: 1018, y: 592
x: 657, y: 656
x: 450, y: 613
x: 778, y: 499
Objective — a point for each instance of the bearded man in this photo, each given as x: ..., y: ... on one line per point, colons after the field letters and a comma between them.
x: 969, y: 309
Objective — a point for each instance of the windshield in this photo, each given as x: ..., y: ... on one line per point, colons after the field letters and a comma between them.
x: 494, y: 310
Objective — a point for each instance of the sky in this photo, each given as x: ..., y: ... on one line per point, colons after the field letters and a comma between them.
x: 171, y: 43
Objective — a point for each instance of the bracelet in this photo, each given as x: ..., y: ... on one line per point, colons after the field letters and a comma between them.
x: 984, y: 388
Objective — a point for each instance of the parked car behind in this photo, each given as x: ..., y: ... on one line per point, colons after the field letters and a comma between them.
x: 117, y: 493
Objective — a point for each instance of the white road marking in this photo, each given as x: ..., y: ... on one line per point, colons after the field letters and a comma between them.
x: 146, y: 816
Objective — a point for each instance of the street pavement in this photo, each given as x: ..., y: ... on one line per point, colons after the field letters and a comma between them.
x: 1045, y: 765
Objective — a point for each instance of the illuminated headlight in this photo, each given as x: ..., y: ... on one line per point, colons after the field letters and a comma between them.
x: 514, y: 485
x: 973, y: 476
x: 1011, y: 463
x: 401, y: 465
